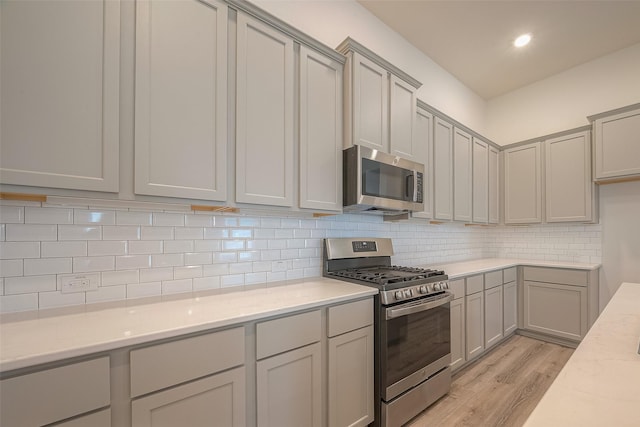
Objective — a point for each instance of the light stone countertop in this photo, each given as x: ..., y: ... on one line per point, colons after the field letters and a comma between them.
x: 600, y: 384
x: 45, y: 338
x: 466, y: 268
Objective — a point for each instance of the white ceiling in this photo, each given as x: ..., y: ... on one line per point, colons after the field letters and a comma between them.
x: 473, y: 39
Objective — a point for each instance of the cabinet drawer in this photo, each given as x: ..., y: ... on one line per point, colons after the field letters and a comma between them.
x: 168, y: 364
x: 556, y: 275
x: 457, y: 288
x: 492, y: 279
x: 55, y: 394
x: 509, y: 275
x: 287, y: 333
x: 475, y: 284
x: 349, y: 317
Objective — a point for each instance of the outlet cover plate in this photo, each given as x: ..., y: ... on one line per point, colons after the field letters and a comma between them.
x: 80, y: 282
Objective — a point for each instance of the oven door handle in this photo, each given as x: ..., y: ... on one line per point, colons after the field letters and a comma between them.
x: 395, y: 312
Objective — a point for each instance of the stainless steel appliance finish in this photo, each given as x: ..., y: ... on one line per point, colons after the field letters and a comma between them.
x: 381, y: 183
x: 412, y: 325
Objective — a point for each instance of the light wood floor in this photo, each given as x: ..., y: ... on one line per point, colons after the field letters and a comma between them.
x: 501, y: 388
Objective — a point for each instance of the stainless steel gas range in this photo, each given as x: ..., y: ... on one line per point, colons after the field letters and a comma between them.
x: 412, y: 325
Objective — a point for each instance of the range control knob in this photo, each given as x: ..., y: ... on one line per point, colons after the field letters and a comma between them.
x: 408, y: 293
x: 437, y: 286
x: 423, y: 289
x: 445, y: 285
x: 399, y: 295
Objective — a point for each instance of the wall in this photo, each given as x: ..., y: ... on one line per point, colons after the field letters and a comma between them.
x: 142, y: 253
x: 564, y: 101
x: 332, y: 21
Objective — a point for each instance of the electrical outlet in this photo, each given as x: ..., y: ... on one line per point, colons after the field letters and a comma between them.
x: 70, y: 283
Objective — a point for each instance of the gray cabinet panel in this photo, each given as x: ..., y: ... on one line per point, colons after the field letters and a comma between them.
x: 458, y: 335
x: 617, y: 145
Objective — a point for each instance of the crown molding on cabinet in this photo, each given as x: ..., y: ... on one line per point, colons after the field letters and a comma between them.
x: 615, y: 111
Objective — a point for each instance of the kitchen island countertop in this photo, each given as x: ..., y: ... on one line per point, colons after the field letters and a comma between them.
x: 34, y: 338
x: 600, y: 384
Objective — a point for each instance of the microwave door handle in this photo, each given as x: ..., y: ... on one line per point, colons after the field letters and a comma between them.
x: 409, y: 187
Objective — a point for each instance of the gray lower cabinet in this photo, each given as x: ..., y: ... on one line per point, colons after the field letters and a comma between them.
x: 510, y: 307
x: 560, y: 303
x: 458, y: 355
x: 350, y: 364
x: 219, y: 397
x: 493, y: 311
x: 94, y: 419
x: 56, y: 394
x: 474, y: 302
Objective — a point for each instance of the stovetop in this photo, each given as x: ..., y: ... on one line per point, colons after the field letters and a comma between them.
x: 390, y: 275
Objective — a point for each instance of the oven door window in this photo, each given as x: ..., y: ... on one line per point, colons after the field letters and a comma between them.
x: 416, y: 340
x: 383, y: 180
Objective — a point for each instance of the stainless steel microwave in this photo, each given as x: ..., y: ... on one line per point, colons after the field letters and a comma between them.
x: 382, y: 183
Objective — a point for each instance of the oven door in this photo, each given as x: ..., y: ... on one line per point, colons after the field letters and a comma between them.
x: 418, y: 343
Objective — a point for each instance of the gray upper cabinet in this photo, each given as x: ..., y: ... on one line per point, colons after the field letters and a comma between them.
x: 424, y: 154
x: 568, y: 185
x: 617, y: 145
x: 320, y: 131
x: 462, y: 175
x: 181, y: 99
x: 60, y: 79
x: 480, y: 181
x: 264, y: 114
x: 523, y: 184
x: 380, y: 102
x: 442, y: 169
x: 494, y: 185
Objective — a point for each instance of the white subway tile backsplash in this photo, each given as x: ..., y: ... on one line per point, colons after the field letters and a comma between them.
x: 63, y: 249
x: 270, y: 223
x: 157, y: 233
x: 206, y: 283
x: 215, y: 270
x: 145, y: 247
x: 178, y: 246
x: 264, y: 233
x: 248, y: 256
x: 124, y: 277
x: 121, y: 232
x: 108, y: 293
x: 42, y: 266
x: 79, y: 232
x: 11, y: 214
x: 257, y: 244
x: 197, y: 258
x: 189, y: 233
x: 241, y: 234
x: 30, y: 284
x: 93, y: 264
x: 34, y: 215
x: 18, y: 250
x: 240, y: 267
x: 168, y: 219
x: 128, y: 262
x: 276, y: 277
x: 2, y: 232
x: 260, y: 266
x: 31, y: 233
x: 283, y: 233
x: 58, y: 299
x: 156, y: 274
x: 15, y: 303
x: 133, y: 218
x: 277, y: 244
x: 107, y: 247
x: 142, y: 290
x: 207, y: 245
x: 233, y: 245
x: 204, y: 220
x: 167, y: 260
x: 270, y: 255
x: 94, y: 216
x: 216, y: 233
x: 188, y: 272
x: 254, y: 278
x: 177, y: 286
x: 232, y: 280
x: 226, y: 221
x: 11, y: 267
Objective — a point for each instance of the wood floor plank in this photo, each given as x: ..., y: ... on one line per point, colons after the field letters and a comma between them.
x: 501, y: 388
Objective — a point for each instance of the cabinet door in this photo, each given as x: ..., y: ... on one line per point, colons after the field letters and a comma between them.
x: 264, y: 114
x: 568, y: 185
x: 617, y: 145
x: 215, y: 400
x: 462, y: 175
x: 320, y: 131
x: 554, y: 309
x: 402, y: 113
x: 475, y: 324
x: 480, y: 181
x: 181, y: 99
x: 443, y: 169
x: 510, y: 308
x: 494, y: 185
x: 351, y: 378
x: 60, y: 68
x: 370, y: 87
x: 493, y: 329
x: 95, y: 419
x: 424, y: 154
x: 289, y: 388
x: 523, y: 184
x: 458, y: 355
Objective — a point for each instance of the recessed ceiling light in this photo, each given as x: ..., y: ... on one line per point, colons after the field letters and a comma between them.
x: 522, y: 40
